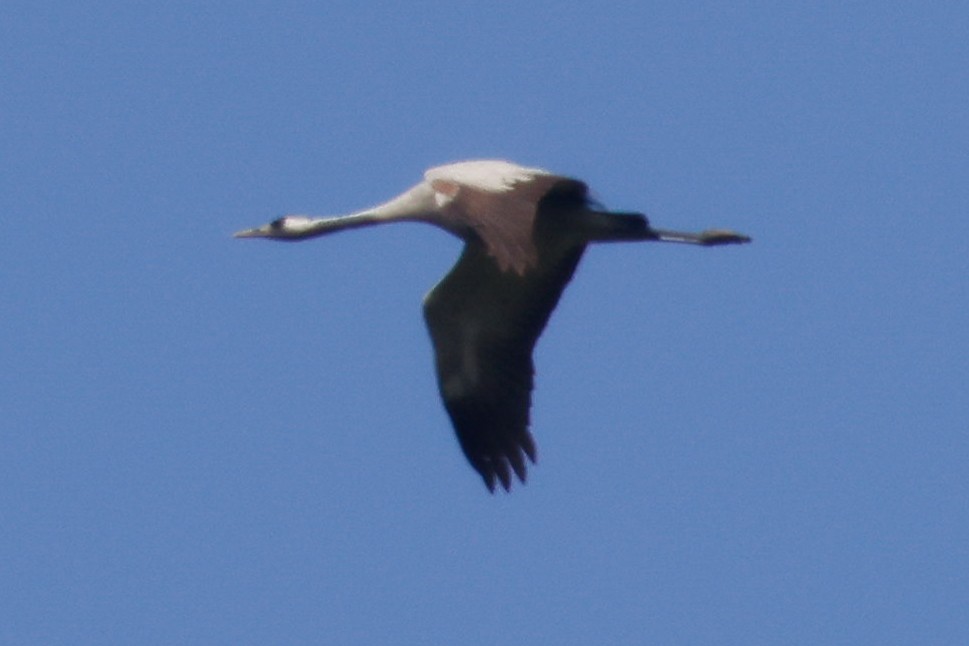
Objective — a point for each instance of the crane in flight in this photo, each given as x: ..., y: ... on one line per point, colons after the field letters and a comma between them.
x: 524, y: 230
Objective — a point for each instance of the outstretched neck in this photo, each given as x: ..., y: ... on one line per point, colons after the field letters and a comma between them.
x: 416, y: 204
x: 300, y: 227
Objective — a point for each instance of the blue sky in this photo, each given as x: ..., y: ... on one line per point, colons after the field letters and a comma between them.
x: 212, y: 441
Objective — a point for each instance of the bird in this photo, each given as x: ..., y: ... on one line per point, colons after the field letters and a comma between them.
x: 524, y: 231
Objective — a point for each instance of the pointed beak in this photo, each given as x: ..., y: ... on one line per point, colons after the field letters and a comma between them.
x: 258, y: 232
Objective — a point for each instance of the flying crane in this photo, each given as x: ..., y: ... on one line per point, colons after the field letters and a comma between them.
x: 524, y: 230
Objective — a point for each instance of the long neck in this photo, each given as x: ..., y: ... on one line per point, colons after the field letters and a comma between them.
x: 417, y: 204
x: 321, y: 226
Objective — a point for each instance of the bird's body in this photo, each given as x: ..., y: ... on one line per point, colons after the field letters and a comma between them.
x: 525, y: 230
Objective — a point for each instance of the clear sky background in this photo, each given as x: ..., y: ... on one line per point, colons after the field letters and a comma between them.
x: 213, y: 441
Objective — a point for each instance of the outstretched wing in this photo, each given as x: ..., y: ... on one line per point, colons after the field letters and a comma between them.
x: 484, y: 323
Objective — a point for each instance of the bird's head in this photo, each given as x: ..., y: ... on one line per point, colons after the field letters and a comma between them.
x: 288, y: 227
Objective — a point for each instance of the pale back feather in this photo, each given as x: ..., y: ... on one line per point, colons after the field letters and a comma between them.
x: 497, y: 201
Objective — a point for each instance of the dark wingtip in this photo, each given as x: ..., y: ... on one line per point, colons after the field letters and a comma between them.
x: 502, y: 465
x: 517, y: 461
x: 489, y: 480
x: 504, y: 473
x: 500, y: 469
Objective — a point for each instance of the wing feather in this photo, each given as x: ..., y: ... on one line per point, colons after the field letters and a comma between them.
x: 484, y: 323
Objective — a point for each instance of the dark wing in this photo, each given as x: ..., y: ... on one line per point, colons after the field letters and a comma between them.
x: 484, y: 323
